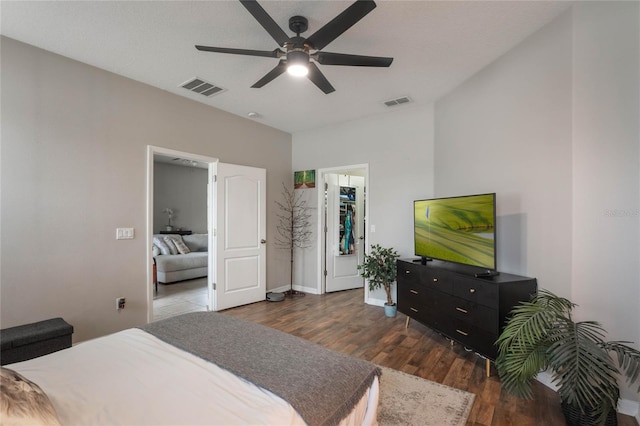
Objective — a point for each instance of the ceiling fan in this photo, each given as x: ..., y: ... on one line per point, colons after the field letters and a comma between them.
x: 299, y: 51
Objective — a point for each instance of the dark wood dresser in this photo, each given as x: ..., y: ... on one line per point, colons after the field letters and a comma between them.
x: 464, y: 308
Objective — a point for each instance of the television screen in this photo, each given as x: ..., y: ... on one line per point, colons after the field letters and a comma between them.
x: 457, y: 229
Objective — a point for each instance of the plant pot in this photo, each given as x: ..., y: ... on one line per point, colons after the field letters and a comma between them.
x: 574, y: 417
x: 390, y: 310
x: 169, y: 228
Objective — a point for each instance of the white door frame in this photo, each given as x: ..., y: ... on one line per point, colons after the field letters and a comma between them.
x: 152, y: 151
x: 321, y: 219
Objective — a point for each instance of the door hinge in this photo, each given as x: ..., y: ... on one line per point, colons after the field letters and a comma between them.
x: 214, y: 286
x: 215, y: 178
x: 325, y: 273
x: 326, y: 186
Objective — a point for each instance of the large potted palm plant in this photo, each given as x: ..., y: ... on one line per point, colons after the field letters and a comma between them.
x: 380, y: 269
x: 541, y: 335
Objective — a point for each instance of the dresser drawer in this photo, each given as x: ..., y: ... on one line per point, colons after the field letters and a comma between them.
x: 480, y: 316
x: 437, y: 280
x: 470, y: 336
x: 476, y: 290
x: 408, y: 273
x: 417, y: 302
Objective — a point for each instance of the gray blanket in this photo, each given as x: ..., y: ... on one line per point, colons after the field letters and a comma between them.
x: 322, y: 385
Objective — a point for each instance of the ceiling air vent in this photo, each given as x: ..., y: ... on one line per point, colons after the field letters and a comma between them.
x: 205, y: 88
x: 398, y: 101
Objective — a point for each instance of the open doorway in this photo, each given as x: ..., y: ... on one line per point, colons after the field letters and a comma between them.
x: 236, y: 231
x: 179, y: 220
x: 342, y: 226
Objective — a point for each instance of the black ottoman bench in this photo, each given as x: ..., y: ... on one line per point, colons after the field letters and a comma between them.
x: 33, y: 340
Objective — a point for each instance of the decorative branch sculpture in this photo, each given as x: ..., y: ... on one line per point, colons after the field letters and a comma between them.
x: 293, y: 227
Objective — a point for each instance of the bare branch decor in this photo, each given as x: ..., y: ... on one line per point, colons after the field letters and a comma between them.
x: 293, y: 226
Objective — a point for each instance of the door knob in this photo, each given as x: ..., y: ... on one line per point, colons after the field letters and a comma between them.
x: 263, y: 241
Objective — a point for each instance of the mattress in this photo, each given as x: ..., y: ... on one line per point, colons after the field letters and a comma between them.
x: 133, y: 378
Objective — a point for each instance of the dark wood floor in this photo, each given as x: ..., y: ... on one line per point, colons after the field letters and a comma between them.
x: 342, y: 322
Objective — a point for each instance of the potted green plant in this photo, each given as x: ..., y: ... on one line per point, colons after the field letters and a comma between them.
x: 380, y: 269
x: 541, y: 335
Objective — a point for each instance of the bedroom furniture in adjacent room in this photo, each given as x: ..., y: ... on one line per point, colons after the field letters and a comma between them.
x: 465, y: 308
x: 33, y: 340
x: 174, y: 265
x: 205, y: 368
x: 180, y: 232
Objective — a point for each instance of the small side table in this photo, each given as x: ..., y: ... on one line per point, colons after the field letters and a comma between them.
x: 155, y: 275
x: 181, y: 232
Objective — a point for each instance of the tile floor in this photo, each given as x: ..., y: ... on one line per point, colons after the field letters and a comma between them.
x: 180, y: 298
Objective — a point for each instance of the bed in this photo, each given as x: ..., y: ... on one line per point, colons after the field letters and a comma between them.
x: 204, y: 368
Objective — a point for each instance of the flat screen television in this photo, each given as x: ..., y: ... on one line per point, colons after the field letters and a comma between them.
x: 457, y: 229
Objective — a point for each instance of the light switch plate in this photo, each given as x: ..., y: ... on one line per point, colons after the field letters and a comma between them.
x: 124, y: 234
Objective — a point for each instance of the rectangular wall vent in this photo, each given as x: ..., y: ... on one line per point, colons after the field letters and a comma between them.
x: 398, y: 101
x: 205, y: 88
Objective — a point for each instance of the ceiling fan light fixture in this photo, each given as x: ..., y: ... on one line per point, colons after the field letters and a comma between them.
x: 298, y: 63
x: 297, y: 70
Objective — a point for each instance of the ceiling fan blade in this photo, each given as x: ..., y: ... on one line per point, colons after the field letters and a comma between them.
x: 328, y: 58
x: 271, y: 75
x: 276, y: 53
x: 266, y: 21
x: 341, y: 23
x: 319, y: 79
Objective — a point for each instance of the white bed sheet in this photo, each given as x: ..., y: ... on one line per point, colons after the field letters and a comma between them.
x: 133, y: 378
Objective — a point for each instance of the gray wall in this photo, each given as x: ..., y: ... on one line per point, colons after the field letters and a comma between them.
x: 184, y: 190
x: 552, y: 126
x: 398, y: 146
x: 73, y: 169
x: 507, y: 130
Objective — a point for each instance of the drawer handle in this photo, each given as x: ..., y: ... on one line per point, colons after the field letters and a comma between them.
x: 472, y: 290
x: 407, y: 272
x: 414, y: 309
x: 413, y: 291
x: 462, y: 310
x: 435, y: 280
x: 462, y: 332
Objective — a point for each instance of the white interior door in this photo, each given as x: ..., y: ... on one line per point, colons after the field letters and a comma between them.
x: 240, y: 271
x: 344, y: 247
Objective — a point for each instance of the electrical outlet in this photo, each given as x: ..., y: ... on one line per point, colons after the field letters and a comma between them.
x: 120, y: 301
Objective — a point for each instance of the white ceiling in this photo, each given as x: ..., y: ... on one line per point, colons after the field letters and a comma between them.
x: 436, y: 45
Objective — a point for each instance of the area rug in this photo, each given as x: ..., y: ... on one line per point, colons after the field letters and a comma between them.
x: 410, y: 400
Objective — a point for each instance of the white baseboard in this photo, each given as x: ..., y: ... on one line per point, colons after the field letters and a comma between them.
x: 280, y: 289
x: 374, y: 302
x: 284, y: 288
x: 310, y: 290
x: 625, y: 406
x: 630, y: 408
x: 545, y: 378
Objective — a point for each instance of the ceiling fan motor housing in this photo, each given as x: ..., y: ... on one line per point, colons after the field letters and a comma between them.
x: 298, y: 24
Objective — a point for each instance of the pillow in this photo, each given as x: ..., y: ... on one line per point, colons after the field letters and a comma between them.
x: 23, y: 402
x: 196, y: 242
x: 164, y: 248
x: 155, y: 250
x: 172, y: 247
x: 180, y: 245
